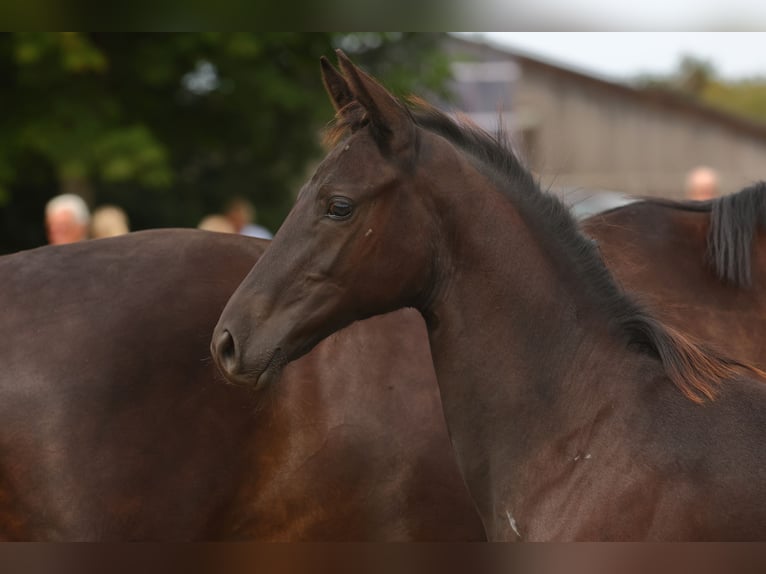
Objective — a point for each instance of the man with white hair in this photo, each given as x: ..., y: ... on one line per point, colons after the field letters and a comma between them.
x: 66, y: 219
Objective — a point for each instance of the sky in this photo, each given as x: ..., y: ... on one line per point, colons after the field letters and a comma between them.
x: 624, y: 55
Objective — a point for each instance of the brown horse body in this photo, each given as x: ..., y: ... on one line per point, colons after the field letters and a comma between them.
x: 700, y: 267
x: 573, y: 413
x: 117, y: 426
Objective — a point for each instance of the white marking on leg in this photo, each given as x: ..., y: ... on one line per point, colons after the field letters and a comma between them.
x: 369, y: 232
x: 512, y: 522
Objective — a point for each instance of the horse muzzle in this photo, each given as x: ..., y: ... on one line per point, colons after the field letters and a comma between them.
x: 230, y: 357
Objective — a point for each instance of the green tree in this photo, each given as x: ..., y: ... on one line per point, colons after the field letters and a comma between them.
x: 745, y: 98
x: 698, y: 80
x: 171, y: 125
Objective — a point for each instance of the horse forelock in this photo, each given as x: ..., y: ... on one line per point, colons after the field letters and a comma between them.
x: 348, y: 119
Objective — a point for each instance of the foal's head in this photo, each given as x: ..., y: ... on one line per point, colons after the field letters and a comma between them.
x: 358, y: 242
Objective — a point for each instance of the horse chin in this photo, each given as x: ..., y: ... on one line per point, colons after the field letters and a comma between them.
x: 269, y: 376
x: 260, y: 376
x: 271, y: 370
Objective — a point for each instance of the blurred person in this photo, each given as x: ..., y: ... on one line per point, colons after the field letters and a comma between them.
x: 216, y: 222
x: 702, y: 184
x: 109, y: 221
x: 242, y: 216
x: 66, y: 219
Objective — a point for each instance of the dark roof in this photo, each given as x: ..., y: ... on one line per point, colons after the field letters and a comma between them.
x: 655, y: 98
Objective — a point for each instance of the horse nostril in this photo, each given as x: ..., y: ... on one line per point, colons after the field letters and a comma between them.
x: 226, y: 351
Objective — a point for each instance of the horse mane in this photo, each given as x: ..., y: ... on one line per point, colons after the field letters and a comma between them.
x: 695, y: 370
x: 734, y: 221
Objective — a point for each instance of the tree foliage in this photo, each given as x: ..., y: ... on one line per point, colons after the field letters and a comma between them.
x: 697, y: 79
x: 169, y: 126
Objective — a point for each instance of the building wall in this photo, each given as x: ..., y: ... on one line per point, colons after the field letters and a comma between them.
x: 579, y: 132
x: 583, y: 136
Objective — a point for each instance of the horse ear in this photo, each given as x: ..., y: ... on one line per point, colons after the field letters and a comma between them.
x: 336, y: 85
x: 391, y: 123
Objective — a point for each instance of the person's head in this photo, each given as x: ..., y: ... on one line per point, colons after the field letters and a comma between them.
x: 109, y: 221
x: 240, y: 212
x: 701, y: 184
x: 66, y: 219
x: 216, y: 222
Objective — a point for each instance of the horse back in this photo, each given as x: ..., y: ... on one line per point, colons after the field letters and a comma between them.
x: 115, y: 424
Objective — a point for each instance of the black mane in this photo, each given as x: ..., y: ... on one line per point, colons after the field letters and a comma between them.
x: 734, y: 221
x: 549, y: 215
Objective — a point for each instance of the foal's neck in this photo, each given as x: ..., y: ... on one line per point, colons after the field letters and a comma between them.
x: 509, y: 307
x: 506, y: 286
x: 518, y: 339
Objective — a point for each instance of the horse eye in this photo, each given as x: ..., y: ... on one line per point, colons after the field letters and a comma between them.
x: 339, y: 208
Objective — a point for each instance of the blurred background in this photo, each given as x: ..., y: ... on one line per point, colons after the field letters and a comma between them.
x: 172, y: 127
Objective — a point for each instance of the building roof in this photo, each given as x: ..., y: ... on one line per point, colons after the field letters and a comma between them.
x: 653, y: 98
